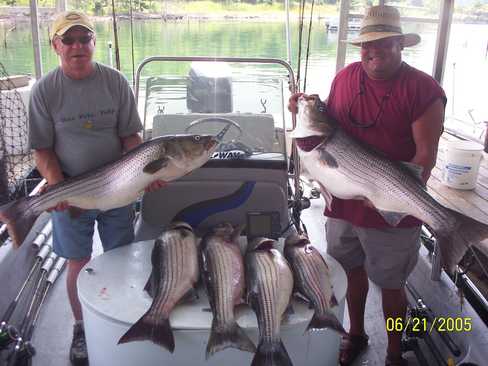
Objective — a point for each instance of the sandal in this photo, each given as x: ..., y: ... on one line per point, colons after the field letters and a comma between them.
x: 351, y: 347
x: 397, y: 361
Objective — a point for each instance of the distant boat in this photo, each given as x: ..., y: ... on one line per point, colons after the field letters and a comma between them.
x: 354, y: 24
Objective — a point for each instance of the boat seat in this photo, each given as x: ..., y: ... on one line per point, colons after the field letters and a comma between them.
x: 258, y: 129
x: 212, y: 195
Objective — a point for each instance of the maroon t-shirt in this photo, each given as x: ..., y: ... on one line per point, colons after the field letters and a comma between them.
x: 389, y: 107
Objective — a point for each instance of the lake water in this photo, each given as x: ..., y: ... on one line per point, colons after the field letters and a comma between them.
x: 465, y: 78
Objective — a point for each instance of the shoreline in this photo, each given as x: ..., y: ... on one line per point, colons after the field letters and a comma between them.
x: 15, y: 15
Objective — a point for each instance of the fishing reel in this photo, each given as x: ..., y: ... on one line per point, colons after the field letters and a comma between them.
x: 8, y: 335
x: 23, y: 349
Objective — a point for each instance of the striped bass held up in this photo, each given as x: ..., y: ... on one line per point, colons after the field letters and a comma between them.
x: 223, y: 275
x: 269, y: 283
x: 175, y: 273
x: 115, y: 184
x: 312, y: 279
x: 348, y: 169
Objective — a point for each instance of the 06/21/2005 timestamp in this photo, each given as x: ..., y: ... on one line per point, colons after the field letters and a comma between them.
x: 422, y: 325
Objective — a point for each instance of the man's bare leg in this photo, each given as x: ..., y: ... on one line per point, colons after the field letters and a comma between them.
x: 74, y: 268
x: 394, y: 306
x: 357, y: 292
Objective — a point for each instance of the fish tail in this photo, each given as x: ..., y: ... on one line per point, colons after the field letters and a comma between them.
x: 453, y: 245
x: 232, y: 335
x: 146, y: 328
x: 19, y: 217
x: 326, y: 320
x: 271, y: 353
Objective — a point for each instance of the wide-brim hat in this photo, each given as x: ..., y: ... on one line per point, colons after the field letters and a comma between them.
x: 69, y: 19
x: 380, y: 22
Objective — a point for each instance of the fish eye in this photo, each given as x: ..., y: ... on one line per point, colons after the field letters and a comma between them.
x: 197, y: 138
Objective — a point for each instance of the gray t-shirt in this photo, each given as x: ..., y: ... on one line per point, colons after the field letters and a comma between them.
x: 82, y: 120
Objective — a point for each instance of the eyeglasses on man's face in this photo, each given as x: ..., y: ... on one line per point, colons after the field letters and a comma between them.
x: 70, y: 40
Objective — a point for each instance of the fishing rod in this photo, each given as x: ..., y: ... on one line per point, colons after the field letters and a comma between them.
x: 116, y: 38
x: 132, y: 46
x: 43, y: 234
x: 46, y: 267
x: 23, y: 350
x: 301, y: 15
x: 5, y: 338
x: 422, y: 311
x: 308, y: 48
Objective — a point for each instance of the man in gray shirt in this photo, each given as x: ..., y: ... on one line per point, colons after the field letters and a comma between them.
x: 82, y: 115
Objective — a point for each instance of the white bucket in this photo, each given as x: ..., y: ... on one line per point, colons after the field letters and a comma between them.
x: 462, y: 162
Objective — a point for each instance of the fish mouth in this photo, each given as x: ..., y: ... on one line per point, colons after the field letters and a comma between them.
x: 296, y: 240
x: 211, y: 144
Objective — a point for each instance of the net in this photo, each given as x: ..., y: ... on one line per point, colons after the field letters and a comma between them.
x: 16, y: 160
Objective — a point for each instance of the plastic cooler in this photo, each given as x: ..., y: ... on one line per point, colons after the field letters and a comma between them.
x: 111, y: 293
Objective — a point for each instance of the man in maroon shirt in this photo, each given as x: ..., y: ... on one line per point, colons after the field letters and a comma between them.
x: 399, y: 111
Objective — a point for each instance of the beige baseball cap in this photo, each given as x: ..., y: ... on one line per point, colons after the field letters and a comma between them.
x: 69, y: 19
x: 380, y: 22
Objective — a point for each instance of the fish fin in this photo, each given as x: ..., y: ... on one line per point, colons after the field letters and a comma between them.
x: 299, y: 296
x: 237, y: 232
x: 327, y: 196
x: 327, y: 159
x: 333, y: 301
x: 454, y: 244
x: 155, y: 165
x: 231, y: 335
x: 145, y: 329
x: 289, y: 310
x: 75, y: 212
x: 149, y: 285
x: 271, y: 354
x: 415, y: 170
x: 19, y: 218
x: 206, y: 279
x: 190, y: 296
x: 392, y: 218
x: 326, y: 320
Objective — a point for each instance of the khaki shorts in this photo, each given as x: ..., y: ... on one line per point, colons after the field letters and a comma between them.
x: 388, y: 255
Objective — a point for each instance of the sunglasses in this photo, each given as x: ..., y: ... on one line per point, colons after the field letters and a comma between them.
x: 69, y: 41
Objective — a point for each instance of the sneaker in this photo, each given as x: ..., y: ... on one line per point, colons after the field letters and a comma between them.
x: 78, y: 353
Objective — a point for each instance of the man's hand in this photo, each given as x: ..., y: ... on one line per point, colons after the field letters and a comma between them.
x: 61, y: 206
x: 293, y: 102
x: 154, y: 186
x: 368, y: 203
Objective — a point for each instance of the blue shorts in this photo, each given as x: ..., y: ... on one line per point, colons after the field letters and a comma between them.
x: 73, y: 237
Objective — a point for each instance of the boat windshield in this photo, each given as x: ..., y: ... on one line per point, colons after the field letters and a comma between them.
x: 204, y: 97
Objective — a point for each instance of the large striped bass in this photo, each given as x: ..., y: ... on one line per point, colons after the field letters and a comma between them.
x: 312, y: 279
x: 269, y: 288
x: 349, y: 170
x: 174, y: 274
x: 115, y: 184
x: 223, y: 273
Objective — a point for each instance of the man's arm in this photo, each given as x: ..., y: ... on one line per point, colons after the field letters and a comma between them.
x: 427, y: 130
x: 48, y: 165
